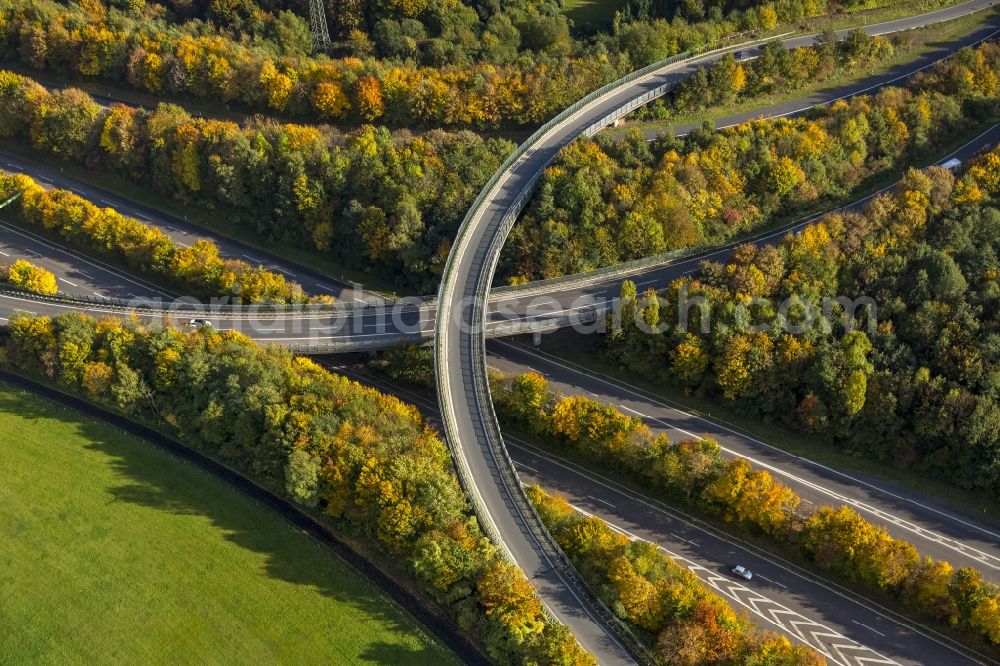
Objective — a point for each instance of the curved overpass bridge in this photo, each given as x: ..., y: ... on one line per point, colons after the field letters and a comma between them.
x: 463, y: 392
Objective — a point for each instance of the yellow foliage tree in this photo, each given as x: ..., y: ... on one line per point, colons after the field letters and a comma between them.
x: 507, y: 595
x: 368, y: 93
x: 330, y: 101
x: 31, y: 278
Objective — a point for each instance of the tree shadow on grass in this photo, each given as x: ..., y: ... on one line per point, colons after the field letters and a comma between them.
x: 161, y: 481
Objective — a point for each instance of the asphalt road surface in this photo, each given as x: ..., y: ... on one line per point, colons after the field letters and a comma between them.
x: 937, y: 529
x: 183, y: 233
x: 468, y: 415
x: 78, y: 274
x: 780, y: 597
x: 867, y: 85
x: 74, y: 280
x: 473, y: 263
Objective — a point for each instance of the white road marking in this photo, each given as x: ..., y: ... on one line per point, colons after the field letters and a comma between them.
x: 980, y: 556
x: 678, y: 536
x: 107, y: 203
x: 58, y: 248
x: 757, y: 575
x: 862, y: 624
x: 530, y: 469
x: 141, y: 216
x: 72, y: 284
x: 247, y: 256
x: 833, y: 645
x: 44, y: 179
x: 598, y: 499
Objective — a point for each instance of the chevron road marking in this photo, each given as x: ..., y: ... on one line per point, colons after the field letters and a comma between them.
x: 836, y: 647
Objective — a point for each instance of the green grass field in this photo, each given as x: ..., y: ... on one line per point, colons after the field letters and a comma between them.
x: 597, y: 13
x: 112, y: 551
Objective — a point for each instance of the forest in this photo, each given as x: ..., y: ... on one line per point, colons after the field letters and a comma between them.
x: 367, y: 461
x: 375, y: 200
x: 913, y: 383
x: 407, y: 63
x: 608, y: 200
x: 378, y: 201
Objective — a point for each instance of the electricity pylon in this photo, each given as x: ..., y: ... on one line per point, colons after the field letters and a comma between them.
x: 317, y: 26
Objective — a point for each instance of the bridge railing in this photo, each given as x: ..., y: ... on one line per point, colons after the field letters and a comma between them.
x: 490, y: 425
x: 446, y: 287
x: 194, y: 307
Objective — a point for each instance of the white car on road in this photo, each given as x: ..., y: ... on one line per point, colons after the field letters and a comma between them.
x: 742, y: 572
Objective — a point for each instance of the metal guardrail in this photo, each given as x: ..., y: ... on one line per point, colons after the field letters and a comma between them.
x: 183, y: 306
x: 528, y: 515
x: 621, y: 269
x: 446, y: 288
x: 353, y: 345
x: 490, y: 424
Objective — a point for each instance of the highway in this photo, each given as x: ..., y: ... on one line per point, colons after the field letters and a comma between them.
x: 780, y: 597
x: 468, y: 414
x: 468, y: 418
x: 938, y: 529
x: 930, y: 530
x: 512, y: 310
x: 182, y: 232
x: 865, y: 85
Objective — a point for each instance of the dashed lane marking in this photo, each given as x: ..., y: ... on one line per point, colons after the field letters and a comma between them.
x: 598, y: 499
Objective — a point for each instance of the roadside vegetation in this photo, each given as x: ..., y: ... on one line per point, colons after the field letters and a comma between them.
x: 838, y: 541
x: 363, y: 461
x: 25, y: 275
x: 914, y: 384
x: 683, y: 622
x: 197, y: 270
x: 114, y: 547
x: 375, y: 201
x: 779, y: 74
x: 391, y: 204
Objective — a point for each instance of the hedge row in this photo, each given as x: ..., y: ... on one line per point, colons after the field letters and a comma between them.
x: 366, y: 460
